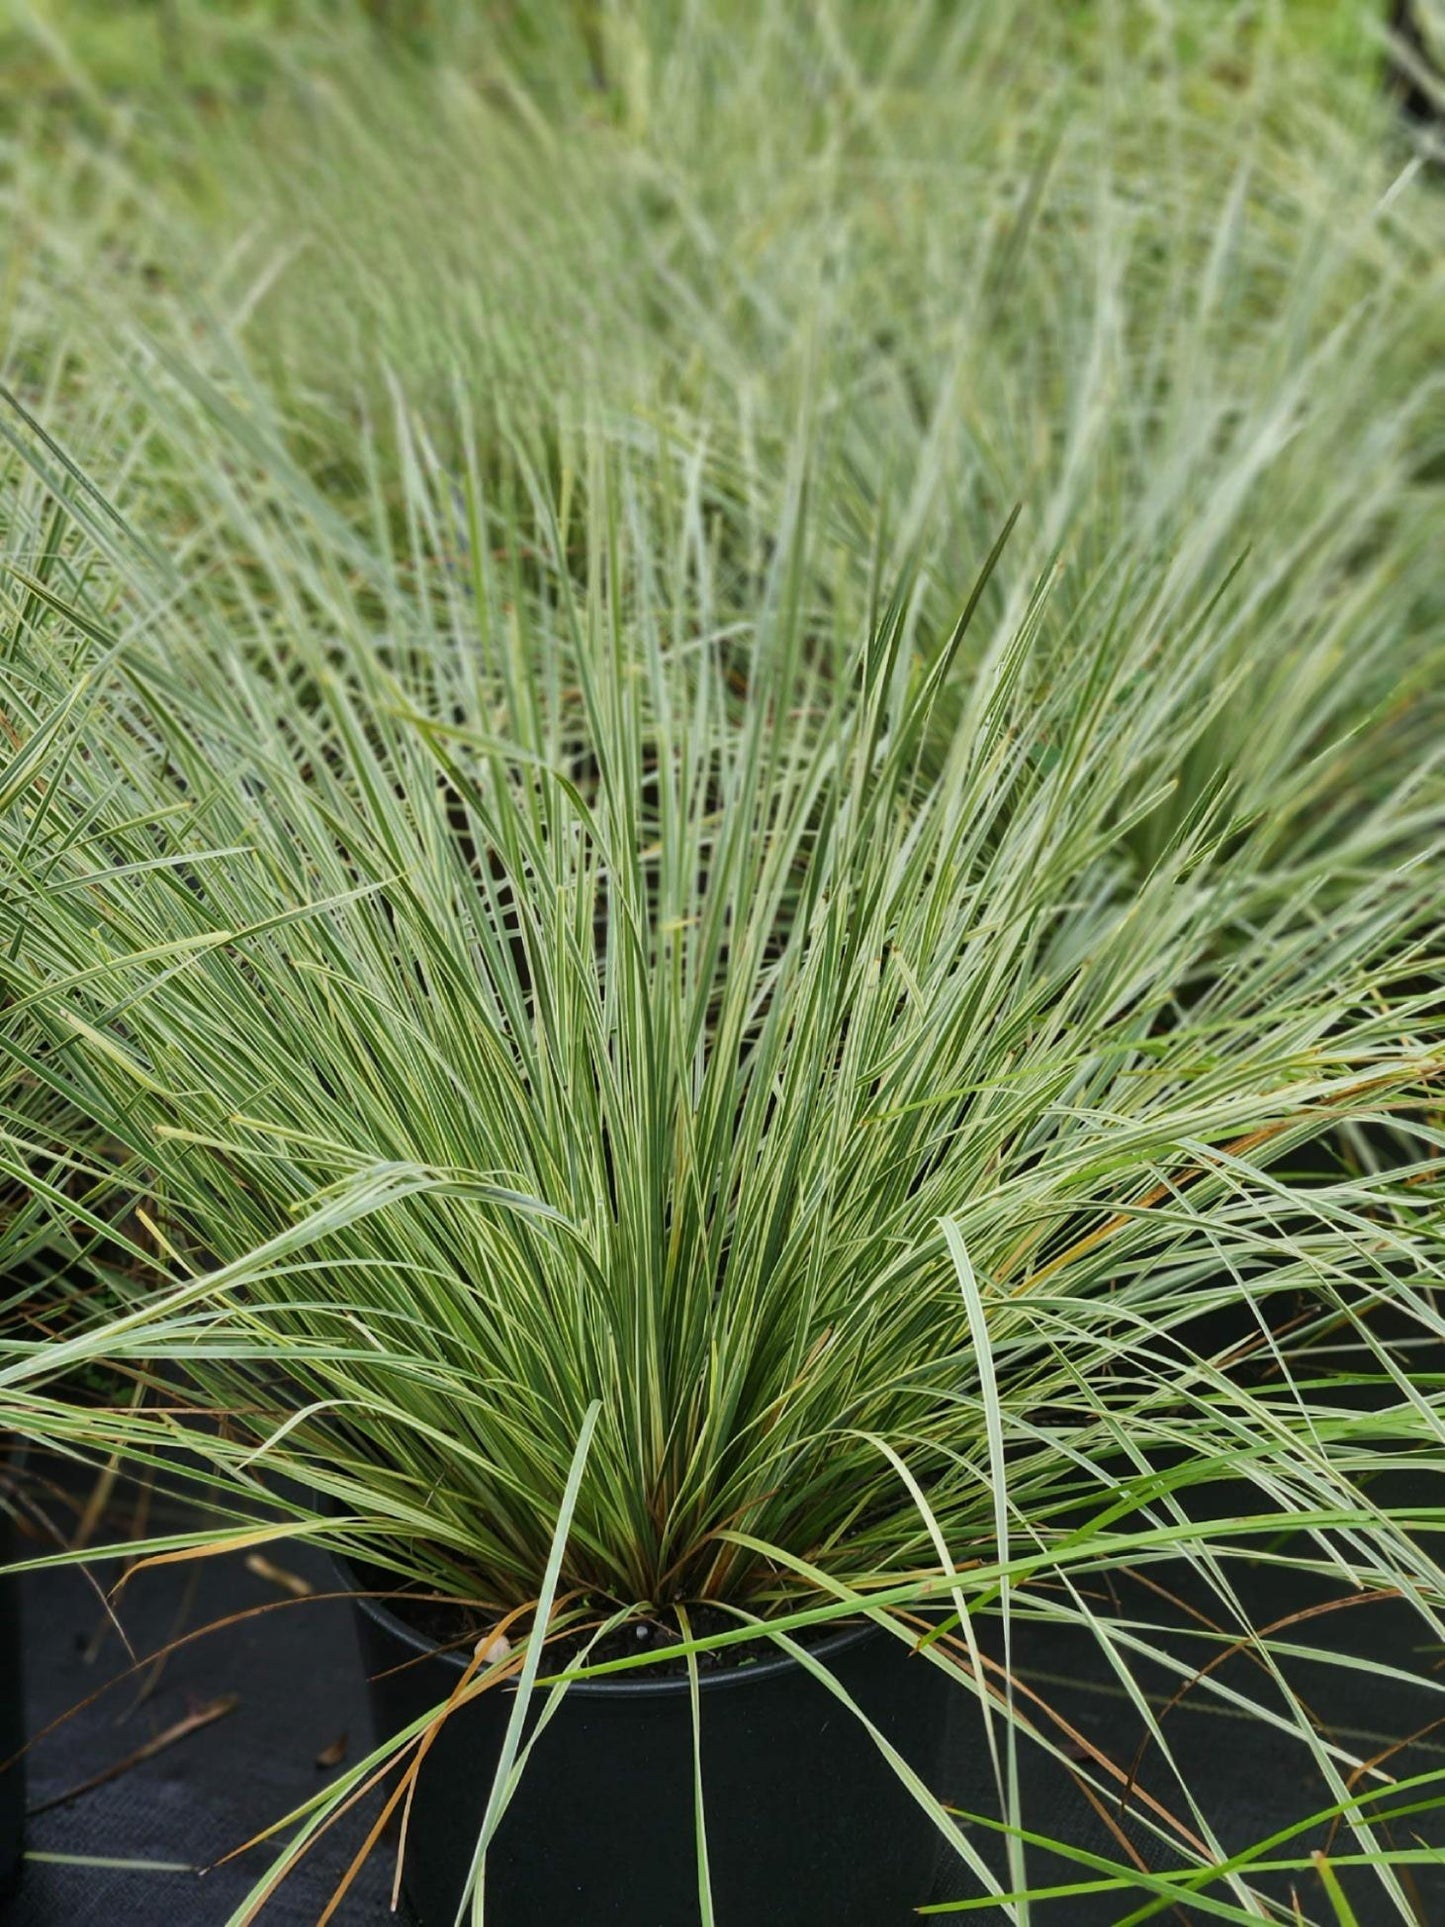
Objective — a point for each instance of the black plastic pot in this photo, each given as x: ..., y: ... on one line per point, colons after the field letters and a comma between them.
x: 12, y: 1705
x: 807, y: 1825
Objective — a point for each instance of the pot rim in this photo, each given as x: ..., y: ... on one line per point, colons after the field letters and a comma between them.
x: 614, y: 1686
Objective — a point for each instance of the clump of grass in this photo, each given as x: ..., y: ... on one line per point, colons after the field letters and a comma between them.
x: 545, y: 1014
x: 676, y: 1010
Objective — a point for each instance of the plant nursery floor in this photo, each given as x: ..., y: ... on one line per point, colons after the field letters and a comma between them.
x: 251, y: 1718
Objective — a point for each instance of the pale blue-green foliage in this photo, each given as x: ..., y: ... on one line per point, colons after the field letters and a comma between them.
x: 656, y: 992
x: 506, y: 989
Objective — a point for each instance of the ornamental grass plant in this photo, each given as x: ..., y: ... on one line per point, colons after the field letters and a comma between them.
x: 612, y: 1108
x: 681, y: 917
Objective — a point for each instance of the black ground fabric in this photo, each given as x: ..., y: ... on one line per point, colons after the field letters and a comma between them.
x: 293, y: 1671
